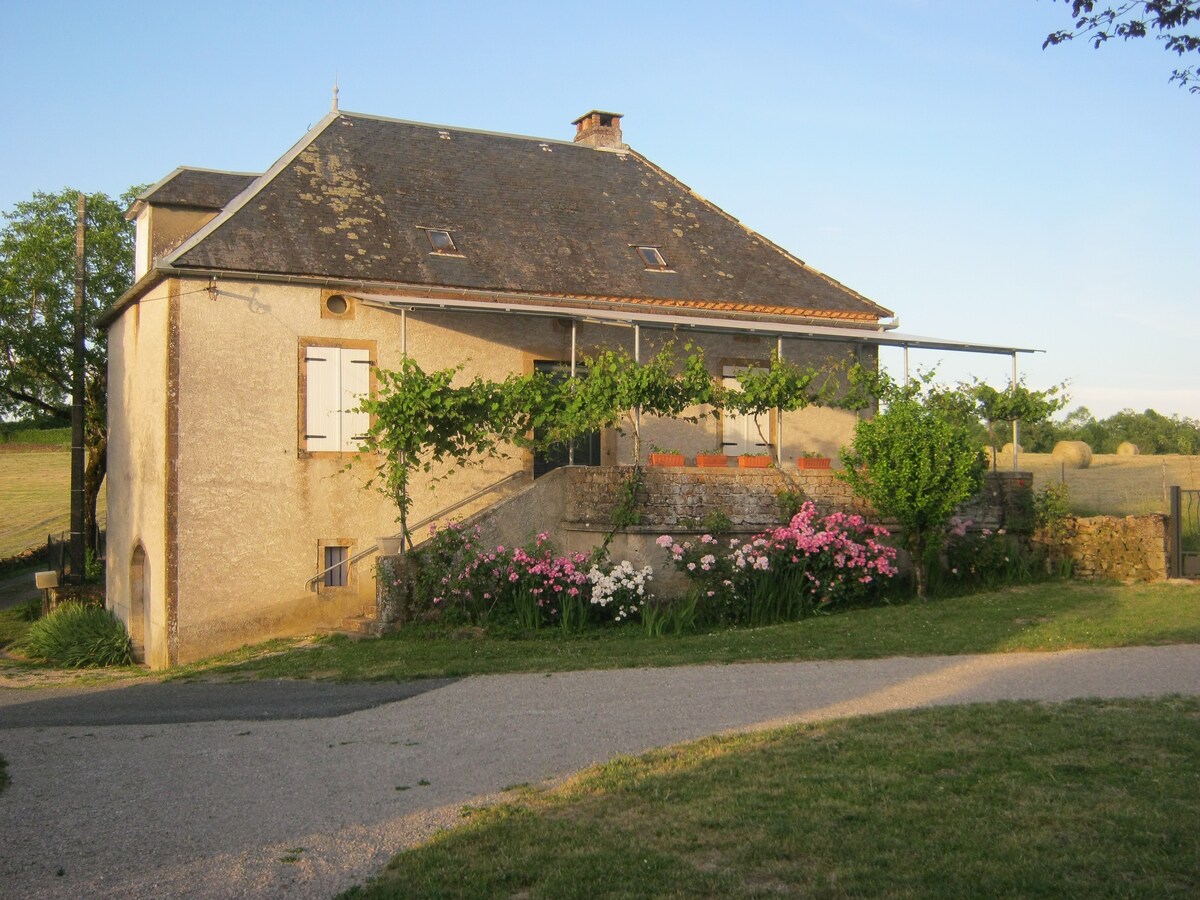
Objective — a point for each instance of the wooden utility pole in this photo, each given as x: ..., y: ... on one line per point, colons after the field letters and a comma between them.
x: 77, y: 400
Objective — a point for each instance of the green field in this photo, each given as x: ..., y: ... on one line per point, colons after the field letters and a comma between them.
x: 36, y: 489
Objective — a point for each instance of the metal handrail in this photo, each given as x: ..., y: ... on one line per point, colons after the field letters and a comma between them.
x: 313, y: 584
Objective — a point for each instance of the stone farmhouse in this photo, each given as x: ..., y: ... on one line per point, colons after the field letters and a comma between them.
x: 264, y: 303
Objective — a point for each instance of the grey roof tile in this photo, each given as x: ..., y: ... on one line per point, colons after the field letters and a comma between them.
x: 528, y: 215
x: 198, y: 188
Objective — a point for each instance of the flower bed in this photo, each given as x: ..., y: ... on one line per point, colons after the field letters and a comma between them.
x: 779, y: 575
x: 788, y: 572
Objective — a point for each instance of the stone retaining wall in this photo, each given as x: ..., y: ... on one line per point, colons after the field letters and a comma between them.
x: 1133, y: 548
x: 1006, y: 501
x: 576, y: 505
x: 673, y: 497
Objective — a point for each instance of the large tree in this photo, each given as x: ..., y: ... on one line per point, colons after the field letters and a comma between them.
x: 37, y: 295
x: 1167, y: 20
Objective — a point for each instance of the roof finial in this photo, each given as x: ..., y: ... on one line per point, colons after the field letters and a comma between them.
x: 335, y: 93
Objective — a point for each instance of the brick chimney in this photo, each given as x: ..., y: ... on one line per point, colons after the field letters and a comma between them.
x: 599, y: 129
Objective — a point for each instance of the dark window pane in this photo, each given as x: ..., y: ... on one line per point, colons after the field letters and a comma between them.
x: 441, y: 241
x: 337, y: 572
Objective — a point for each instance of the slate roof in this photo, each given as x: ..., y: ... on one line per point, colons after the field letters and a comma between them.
x: 528, y: 216
x: 197, y: 188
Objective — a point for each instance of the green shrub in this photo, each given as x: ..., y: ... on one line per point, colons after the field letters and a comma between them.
x: 79, y: 636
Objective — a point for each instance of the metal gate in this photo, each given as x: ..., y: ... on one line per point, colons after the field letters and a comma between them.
x: 1185, y: 533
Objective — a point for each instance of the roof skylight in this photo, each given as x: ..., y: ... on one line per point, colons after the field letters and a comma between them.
x: 441, y: 240
x: 652, y: 257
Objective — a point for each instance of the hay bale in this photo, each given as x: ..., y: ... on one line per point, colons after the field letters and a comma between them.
x: 1128, y: 449
x: 1007, y: 449
x: 1072, y: 454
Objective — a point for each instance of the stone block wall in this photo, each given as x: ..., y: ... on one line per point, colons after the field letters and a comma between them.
x: 576, y: 505
x: 1133, y: 548
x: 673, y: 497
x: 1006, y: 501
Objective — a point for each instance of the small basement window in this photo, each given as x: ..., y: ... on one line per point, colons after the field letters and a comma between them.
x: 441, y: 241
x: 336, y: 568
x: 652, y: 257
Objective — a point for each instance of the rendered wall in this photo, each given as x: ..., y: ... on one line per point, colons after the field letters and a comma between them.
x: 137, y: 470
x: 253, y: 508
x: 814, y: 430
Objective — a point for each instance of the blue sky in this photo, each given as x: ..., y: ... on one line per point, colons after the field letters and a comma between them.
x: 927, y: 153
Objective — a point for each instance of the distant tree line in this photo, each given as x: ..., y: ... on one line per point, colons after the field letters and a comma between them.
x: 1151, y: 431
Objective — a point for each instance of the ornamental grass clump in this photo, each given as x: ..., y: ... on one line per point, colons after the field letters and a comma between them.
x: 79, y: 636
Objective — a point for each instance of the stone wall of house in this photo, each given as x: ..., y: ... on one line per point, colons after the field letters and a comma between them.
x: 686, y: 496
x: 1006, y: 501
x: 671, y: 498
x: 1133, y: 548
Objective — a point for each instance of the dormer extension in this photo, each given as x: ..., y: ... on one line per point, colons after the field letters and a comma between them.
x: 169, y: 212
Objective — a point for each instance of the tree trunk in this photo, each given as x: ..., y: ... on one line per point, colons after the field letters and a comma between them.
x: 916, y: 549
x: 93, y: 478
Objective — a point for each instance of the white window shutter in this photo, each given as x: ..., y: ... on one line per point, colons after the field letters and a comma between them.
x: 740, y: 432
x: 322, y: 382
x: 356, y: 384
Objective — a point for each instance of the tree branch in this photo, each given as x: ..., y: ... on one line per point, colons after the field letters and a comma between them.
x: 21, y: 396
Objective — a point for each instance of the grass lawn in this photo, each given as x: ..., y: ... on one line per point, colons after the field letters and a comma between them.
x: 36, y: 487
x: 1050, y: 616
x: 1085, y: 799
x: 13, y: 627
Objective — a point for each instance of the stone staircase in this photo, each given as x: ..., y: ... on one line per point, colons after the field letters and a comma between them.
x: 357, y: 628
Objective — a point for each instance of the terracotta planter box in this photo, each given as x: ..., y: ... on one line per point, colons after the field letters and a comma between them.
x: 666, y: 459
x: 754, y: 462
x: 712, y: 460
x: 812, y: 462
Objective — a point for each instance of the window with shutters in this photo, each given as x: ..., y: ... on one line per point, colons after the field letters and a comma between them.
x: 334, y: 377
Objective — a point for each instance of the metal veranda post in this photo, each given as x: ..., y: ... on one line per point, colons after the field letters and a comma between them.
x: 571, y: 440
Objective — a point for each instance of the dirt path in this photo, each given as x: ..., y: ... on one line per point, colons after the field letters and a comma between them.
x: 308, y: 807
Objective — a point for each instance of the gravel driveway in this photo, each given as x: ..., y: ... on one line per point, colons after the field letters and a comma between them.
x: 290, y: 789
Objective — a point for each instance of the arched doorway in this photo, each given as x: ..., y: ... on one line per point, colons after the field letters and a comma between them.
x: 139, y: 604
